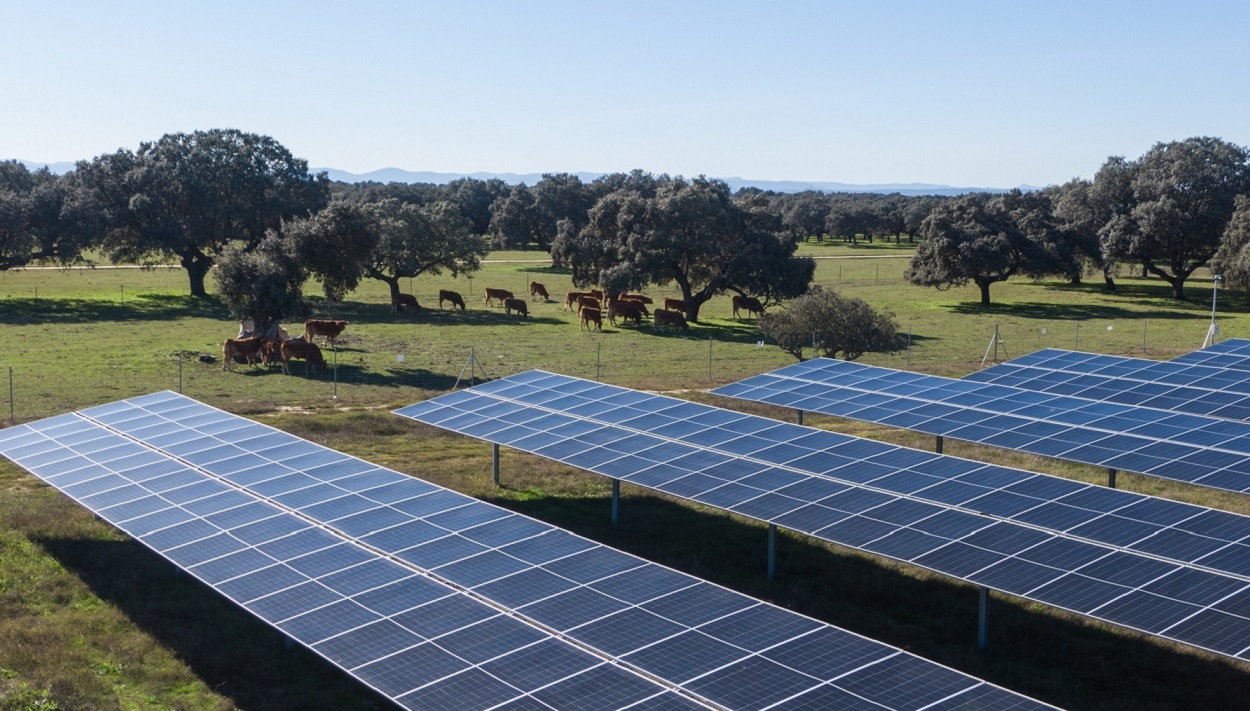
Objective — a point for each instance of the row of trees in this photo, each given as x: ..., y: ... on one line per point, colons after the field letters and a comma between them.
x: 1180, y: 206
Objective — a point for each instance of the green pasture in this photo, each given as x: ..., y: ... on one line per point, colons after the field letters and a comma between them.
x: 90, y: 620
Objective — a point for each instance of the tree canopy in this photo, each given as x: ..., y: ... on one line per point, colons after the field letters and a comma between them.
x: 42, y: 217
x: 264, y: 283
x: 829, y: 323
x: 190, y: 195
x: 1182, y: 198
x: 691, y: 233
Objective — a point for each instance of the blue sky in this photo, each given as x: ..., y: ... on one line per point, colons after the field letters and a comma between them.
x: 963, y: 93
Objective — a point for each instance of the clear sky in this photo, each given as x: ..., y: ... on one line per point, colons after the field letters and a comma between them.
x: 995, y: 94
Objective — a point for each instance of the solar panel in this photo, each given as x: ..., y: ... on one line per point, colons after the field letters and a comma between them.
x: 1233, y: 354
x: 1194, y: 449
x: 1071, y: 545
x: 432, y: 598
x: 1165, y: 385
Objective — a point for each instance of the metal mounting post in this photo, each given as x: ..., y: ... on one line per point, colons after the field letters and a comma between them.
x: 983, y: 618
x: 494, y: 463
x: 1111, y: 478
x: 616, y: 501
x: 938, y: 449
x: 772, y: 550
x: 799, y: 415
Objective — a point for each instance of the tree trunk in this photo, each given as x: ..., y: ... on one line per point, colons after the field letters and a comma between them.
x: 985, y: 292
x: 1178, y: 289
x: 1106, y: 277
x: 197, y: 266
x: 393, y: 283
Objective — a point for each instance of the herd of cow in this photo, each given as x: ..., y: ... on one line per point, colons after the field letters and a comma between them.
x: 269, y: 351
x: 588, y: 304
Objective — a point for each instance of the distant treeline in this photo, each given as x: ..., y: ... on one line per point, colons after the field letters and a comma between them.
x: 195, y: 197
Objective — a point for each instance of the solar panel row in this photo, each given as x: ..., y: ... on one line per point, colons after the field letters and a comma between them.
x: 1023, y: 533
x: 1205, y: 451
x: 1165, y: 385
x: 441, y: 601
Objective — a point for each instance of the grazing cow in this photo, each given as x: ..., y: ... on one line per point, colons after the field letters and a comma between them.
x: 452, y: 296
x: 587, y: 316
x: 587, y: 301
x: 405, y: 302
x: 295, y: 349
x: 329, y: 329
x: 628, y: 310
x: 537, y: 289
x: 675, y: 305
x: 271, y: 350
x: 638, y: 297
x: 248, y: 348
x: 496, y: 295
x: 642, y: 306
x: 749, y: 304
x: 597, y: 293
x: 517, y: 305
x: 671, y: 318
x: 571, y: 298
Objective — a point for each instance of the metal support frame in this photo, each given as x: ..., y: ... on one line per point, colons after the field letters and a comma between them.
x: 1111, y: 478
x: 616, y: 501
x: 983, y: 618
x: 772, y: 551
x: 938, y: 448
x: 799, y: 415
x: 494, y: 463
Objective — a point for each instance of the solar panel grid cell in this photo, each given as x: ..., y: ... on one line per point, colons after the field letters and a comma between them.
x: 356, y: 609
x: 859, y: 527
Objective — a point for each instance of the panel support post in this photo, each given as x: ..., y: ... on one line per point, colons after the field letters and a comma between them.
x: 616, y: 501
x: 772, y: 551
x: 799, y: 416
x: 938, y: 449
x: 983, y: 618
x: 1111, y: 478
x: 494, y: 463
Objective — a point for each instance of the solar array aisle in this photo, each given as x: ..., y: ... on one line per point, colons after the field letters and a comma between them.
x: 438, y: 600
x: 1169, y: 569
x: 1194, y: 449
x: 1165, y: 385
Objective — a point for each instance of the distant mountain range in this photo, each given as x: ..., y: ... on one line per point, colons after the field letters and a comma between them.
x: 397, y: 175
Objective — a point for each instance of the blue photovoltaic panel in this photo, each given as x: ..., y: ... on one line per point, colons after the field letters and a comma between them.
x: 1233, y: 354
x: 1194, y: 449
x: 434, y: 599
x: 1083, y: 548
x: 1165, y: 385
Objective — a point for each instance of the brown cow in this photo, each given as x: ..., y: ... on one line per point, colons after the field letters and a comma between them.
x: 670, y: 318
x: 587, y: 301
x: 597, y: 293
x: 517, y: 305
x: 330, y: 329
x: 496, y: 295
x: 642, y: 306
x: 587, y: 316
x: 295, y: 349
x: 627, y: 310
x: 572, y: 297
x: 405, y: 302
x: 452, y: 296
x: 537, y: 289
x: 248, y: 348
x: 638, y: 297
x: 675, y: 305
x: 271, y: 350
x: 749, y: 304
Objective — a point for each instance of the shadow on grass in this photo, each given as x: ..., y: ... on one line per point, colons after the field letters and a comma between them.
x: 232, y: 652
x: 352, y: 374
x: 138, y: 307
x: 1042, y: 655
x: 1072, y: 312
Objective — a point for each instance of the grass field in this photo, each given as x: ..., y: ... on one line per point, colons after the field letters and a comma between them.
x: 90, y: 619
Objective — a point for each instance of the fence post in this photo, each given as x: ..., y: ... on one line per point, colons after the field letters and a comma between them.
x: 336, y: 371
x: 709, y: 359
x: 908, y: 346
x: 179, y: 372
x: 11, y: 420
x: 1143, y: 335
